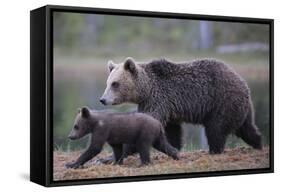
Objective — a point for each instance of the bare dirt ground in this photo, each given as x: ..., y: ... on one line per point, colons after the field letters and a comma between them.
x: 197, y: 161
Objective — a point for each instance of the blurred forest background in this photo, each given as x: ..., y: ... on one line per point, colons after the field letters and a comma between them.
x: 83, y: 43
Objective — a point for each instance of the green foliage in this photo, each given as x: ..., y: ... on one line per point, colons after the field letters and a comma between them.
x: 118, y: 33
x: 68, y: 28
x: 233, y: 33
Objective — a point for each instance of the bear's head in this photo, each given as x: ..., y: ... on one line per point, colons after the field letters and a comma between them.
x: 124, y: 84
x: 83, y: 123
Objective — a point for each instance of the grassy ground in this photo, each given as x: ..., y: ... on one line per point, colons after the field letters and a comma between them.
x: 197, y: 161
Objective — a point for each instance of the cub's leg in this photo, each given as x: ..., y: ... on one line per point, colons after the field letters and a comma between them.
x: 91, y: 152
x: 118, y: 154
x: 97, y: 142
x: 143, y: 149
x: 162, y: 145
x: 128, y: 149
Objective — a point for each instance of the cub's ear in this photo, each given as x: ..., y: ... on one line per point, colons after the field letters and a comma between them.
x: 85, y: 111
x: 110, y: 65
x: 78, y: 110
x: 130, y: 65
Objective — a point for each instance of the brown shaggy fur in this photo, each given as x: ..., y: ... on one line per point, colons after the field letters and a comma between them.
x: 117, y: 129
x: 206, y: 92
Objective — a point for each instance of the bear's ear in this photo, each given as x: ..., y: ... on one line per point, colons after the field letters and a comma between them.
x: 78, y: 110
x: 110, y: 65
x: 85, y: 111
x: 130, y: 65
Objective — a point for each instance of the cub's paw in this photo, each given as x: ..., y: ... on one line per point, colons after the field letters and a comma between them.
x: 106, y: 160
x: 144, y: 164
x: 118, y: 163
x: 72, y: 165
x: 176, y: 157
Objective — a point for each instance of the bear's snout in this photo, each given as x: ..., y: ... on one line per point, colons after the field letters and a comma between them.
x: 103, y: 101
x: 71, y: 137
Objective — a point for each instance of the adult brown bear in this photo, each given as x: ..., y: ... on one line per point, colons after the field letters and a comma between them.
x: 206, y: 92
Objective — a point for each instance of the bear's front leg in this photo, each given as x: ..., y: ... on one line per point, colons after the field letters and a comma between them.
x: 90, y: 153
x: 128, y: 149
x: 173, y: 132
x: 105, y: 160
x: 74, y: 165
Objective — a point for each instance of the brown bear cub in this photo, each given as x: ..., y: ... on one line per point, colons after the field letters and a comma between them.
x: 118, y: 129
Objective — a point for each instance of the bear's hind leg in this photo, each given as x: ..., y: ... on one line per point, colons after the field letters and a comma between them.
x: 249, y: 133
x: 162, y: 145
x: 118, y: 154
x: 129, y: 149
x: 173, y: 132
x: 216, y: 138
x: 143, y: 149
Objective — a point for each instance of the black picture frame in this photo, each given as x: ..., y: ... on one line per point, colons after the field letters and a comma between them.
x: 41, y: 100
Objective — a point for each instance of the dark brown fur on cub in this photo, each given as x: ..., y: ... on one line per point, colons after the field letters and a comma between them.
x: 118, y: 129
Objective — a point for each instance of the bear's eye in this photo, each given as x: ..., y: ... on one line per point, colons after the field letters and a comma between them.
x: 115, y: 85
x: 76, y: 127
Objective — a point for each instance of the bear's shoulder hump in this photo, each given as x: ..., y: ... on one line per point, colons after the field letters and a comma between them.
x: 162, y: 67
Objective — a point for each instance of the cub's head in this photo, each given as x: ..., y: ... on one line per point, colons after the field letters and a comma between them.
x: 83, y: 123
x: 122, y: 83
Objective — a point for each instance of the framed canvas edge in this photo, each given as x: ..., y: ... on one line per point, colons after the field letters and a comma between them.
x: 49, y: 88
